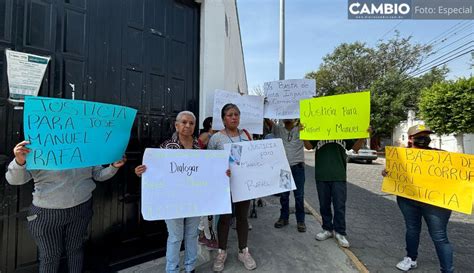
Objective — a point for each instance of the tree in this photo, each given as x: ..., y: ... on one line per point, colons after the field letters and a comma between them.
x: 355, y: 67
x: 349, y: 68
x: 448, y: 108
x: 399, y: 55
x: 383, y: 70
x: 387, y: 106
x: 394, y: 94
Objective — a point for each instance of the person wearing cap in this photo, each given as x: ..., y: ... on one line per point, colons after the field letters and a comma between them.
x: 436, y: 218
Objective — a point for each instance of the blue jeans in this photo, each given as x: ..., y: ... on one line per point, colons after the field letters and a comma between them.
x: 437, y: 220
x: 178, y: 229
x: 298, y: 175
x: 334, y: 192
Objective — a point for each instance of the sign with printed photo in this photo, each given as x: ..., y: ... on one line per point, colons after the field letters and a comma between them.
x: 259, y: 168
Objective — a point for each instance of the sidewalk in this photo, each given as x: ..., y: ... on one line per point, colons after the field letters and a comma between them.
x: 275, y: 250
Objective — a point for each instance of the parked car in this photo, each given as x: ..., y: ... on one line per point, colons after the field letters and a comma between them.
x: 366, y: 155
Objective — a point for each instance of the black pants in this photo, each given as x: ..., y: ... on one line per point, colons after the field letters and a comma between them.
x: 335, y: 193
x: 241, y: 214
x: 56, y: 229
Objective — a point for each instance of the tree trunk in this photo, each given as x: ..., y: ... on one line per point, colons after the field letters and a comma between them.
x: 459, y: 142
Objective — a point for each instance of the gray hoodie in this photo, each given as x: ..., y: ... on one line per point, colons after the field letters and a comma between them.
x: 59, y: 189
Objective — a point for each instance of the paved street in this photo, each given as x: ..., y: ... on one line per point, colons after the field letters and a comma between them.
x: 282, y: 250
x: 375, y: 225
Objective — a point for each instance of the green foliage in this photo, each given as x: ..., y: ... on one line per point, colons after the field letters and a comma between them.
x: 399, y: 55
x: 448, y: 107
x: 387, y: 108
x: 349, y: 68
x: 384, y: 71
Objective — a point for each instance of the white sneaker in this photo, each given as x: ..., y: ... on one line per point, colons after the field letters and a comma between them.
x: 341, y: 240
x: 247, y: 260
x: 406, y: 264
x: 250, y: 226
x: 323, y: 235
x: 219, y: 261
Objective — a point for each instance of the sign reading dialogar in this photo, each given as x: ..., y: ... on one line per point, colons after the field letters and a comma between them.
x: 182, y: 183
x: 67, y: 134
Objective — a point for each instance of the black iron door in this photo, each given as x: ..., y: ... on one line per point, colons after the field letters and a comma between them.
x: 139, y: 53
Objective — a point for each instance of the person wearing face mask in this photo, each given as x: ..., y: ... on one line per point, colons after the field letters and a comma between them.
x: 436, y: 218
x: 289, y: 133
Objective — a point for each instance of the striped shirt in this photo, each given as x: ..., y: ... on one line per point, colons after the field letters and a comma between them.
x: 174, y: 143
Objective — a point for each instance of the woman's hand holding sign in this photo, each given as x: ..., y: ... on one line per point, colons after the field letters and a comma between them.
x: 120, y: 163
x: 139, y: 170
x: 20, y: 151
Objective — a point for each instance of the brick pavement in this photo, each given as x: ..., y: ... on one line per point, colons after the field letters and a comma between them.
x: 375, y: 225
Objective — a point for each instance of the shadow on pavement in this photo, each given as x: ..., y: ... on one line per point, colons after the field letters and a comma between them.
x: 364, y: 163
x: 376, y: 231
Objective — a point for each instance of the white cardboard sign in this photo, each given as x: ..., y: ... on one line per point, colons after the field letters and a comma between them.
x: 283, y: 97
x: 251, y: 110
x: 259, y: 168
x: 185, y: 183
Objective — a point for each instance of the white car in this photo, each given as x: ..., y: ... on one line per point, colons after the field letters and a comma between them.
x: 366, y: 155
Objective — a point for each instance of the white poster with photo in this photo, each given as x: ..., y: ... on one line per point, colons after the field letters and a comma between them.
x: 251, y: 110
x: 283, y: 97
x: 259, y: 168
x: 25, y: 73
x: 185, y: 183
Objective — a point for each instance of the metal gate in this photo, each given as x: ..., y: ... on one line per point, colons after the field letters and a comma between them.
x: 139, y: 53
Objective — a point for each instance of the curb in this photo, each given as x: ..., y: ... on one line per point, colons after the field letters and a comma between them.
x: 357, y: 263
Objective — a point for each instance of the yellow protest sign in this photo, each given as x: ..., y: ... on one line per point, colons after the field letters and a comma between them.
x: 335, y: 117
x: 438, y: 178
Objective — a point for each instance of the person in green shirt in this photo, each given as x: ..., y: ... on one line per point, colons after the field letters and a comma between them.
x: 331, y: 175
